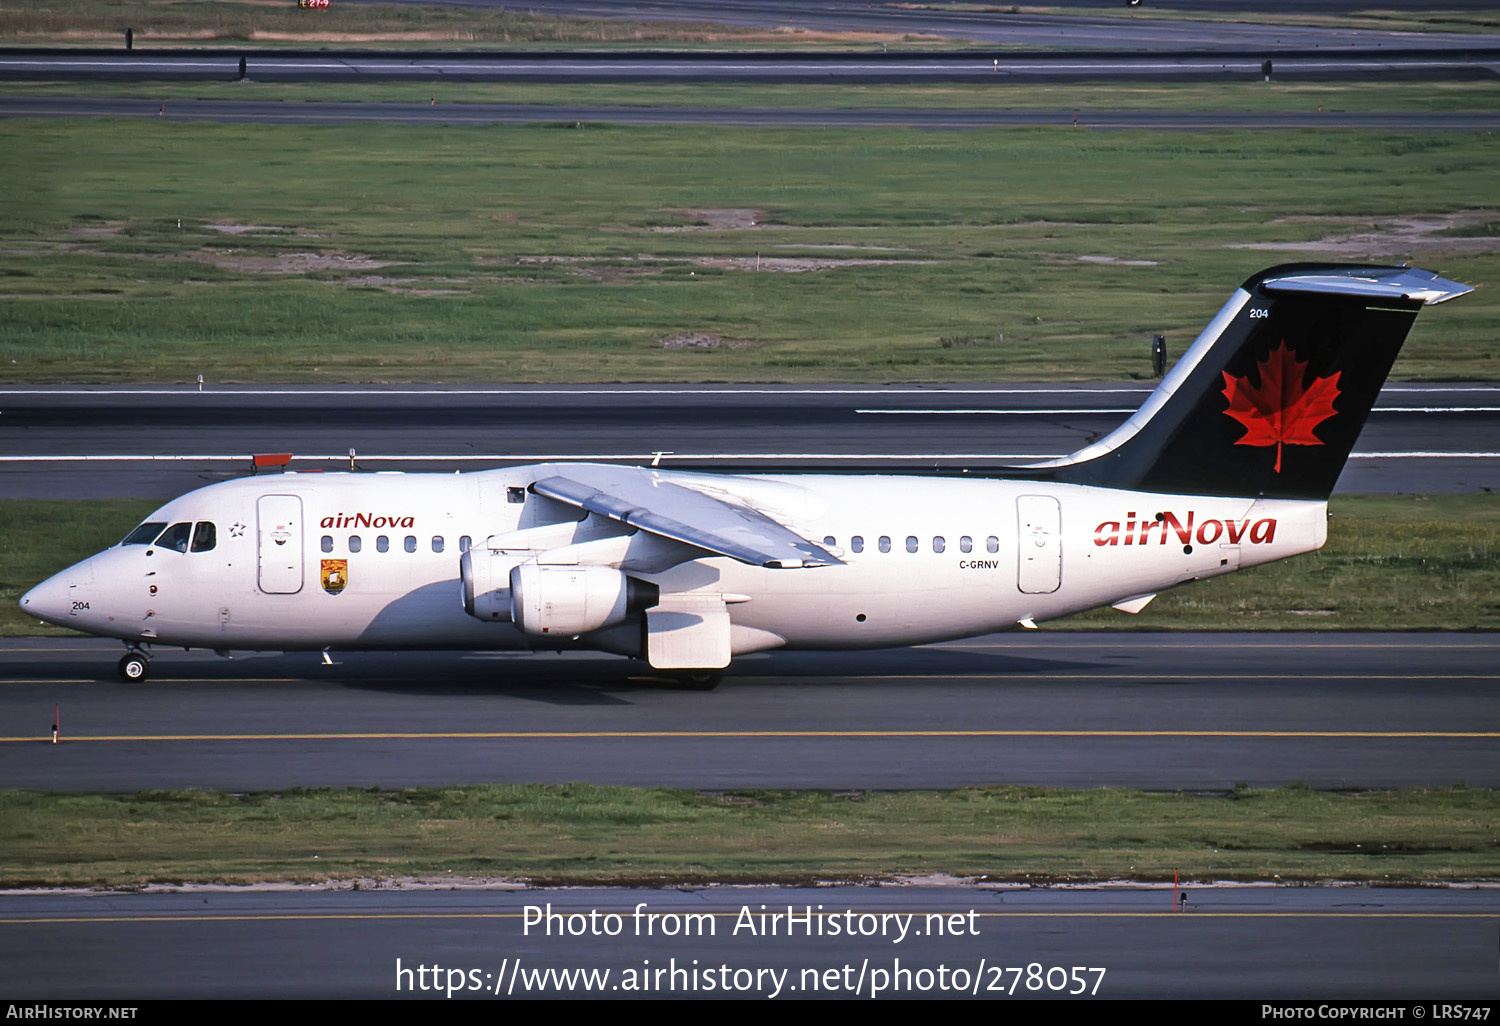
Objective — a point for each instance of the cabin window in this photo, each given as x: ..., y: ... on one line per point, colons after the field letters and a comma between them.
x: 938, y: 545
x: 354, y: 543
x: 437, y: 543
x: 411, y: 543
x: 911, y: 543
x: 382, y: 544
x: 857, y: 543
x: 465, y: 543
x: 885, y: 543
x: 205, y: 537
x: 829, y: 540
x: 992, y: 544
x: 327, y: 543
x: 145, y: 534
x: 966, y: 544
x: 176, y: 537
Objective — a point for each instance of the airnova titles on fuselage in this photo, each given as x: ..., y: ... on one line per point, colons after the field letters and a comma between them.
x: 1229, y: 463
x: 1167, y: 525
x: 345, y: 521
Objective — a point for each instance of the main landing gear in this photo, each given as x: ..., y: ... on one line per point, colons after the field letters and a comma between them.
x: 135, y: 666
x: 698, y: 680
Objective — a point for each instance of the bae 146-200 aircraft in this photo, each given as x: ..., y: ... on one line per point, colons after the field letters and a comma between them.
x: 1228, y: 463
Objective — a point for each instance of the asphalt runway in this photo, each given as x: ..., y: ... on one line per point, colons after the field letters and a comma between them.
x: 61, y: 442
x: 1250, y: 943
x: 332, y: 113
x: 1057, y: 709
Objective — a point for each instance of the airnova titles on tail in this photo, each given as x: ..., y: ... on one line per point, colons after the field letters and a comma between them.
x: 1227, y: 464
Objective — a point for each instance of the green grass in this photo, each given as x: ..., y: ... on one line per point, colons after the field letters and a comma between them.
x: 231, y: 22
x: 584, y: 834
x: 1392, y: 562
x: 163, y: 23
x: 563, y: 252
x: 1378, y: 18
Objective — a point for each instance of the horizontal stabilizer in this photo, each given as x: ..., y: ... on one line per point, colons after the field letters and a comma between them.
x: 1394, y: 283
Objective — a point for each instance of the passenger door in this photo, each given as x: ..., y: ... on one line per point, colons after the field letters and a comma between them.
x: 1039, y: 544
x: 279, y: 520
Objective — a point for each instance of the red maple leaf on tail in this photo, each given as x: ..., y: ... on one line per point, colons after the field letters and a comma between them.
x: 1280, y: 410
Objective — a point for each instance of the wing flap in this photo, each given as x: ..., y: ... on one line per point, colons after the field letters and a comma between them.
x: 651, y: 501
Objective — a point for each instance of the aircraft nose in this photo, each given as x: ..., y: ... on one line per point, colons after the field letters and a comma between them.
x: 49, y: 600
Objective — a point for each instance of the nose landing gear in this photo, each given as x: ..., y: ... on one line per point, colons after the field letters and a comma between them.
x: 134, y: 666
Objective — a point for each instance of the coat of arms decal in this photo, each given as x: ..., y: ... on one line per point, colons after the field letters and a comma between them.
x: 335, y: 575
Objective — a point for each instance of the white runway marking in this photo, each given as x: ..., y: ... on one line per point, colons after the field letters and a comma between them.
x: 1437, y: 409
x: 1440, y: 388
x: 1054, y: 412
x: 1424, y: 455
x: 1102, y: 409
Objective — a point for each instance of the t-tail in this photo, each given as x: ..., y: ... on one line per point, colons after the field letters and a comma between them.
x: 1270, y: 399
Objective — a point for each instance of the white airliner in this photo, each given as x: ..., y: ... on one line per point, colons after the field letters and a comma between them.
x: 1228, y: 463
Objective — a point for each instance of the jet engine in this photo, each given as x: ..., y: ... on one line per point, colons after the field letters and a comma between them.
x: 486, y: 581
x: 574, y: 599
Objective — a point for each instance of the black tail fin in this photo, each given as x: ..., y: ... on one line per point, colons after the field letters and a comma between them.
x: 1271, y: 397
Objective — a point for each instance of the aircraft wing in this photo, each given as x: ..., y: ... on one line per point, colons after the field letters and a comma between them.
x: 651, y: 501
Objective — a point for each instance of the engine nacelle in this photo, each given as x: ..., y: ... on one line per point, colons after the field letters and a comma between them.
x: 569, y: 600
x: 485, y: 574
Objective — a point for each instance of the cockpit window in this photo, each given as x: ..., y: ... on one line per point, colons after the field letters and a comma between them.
x: 176, y: 537
x: 145, y: 534
x: 205, y: 537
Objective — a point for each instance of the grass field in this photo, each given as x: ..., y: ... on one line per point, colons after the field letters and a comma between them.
x: 229, y: 22
x: 1383, y: 18
x: 583, y: 834
x: 156, y: 251
x: 1398, y: 562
